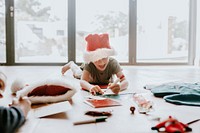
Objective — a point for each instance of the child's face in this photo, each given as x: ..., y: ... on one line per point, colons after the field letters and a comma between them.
x: 101, y: 64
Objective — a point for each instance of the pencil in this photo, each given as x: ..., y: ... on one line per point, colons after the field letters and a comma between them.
x: 116, y: 81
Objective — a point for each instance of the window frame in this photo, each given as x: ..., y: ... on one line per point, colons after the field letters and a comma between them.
x: 10, y: 47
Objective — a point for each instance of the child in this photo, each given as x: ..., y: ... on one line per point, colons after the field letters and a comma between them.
x: 13, y: 117
x: 99, y: 67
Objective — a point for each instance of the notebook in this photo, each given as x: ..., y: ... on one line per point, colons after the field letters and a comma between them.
x: 99, y: 103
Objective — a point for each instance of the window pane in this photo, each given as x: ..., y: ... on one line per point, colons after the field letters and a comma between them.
x: 103, y: 16
x: 162, y: 30
x: 2, y: 32
x: 41, y: 31
x: 197, y: 59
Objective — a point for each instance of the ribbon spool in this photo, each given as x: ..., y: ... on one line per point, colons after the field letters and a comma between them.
x: 2, y: 83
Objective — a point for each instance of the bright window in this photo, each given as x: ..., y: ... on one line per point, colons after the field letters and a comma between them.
x: 162, y: 31
x: 2, y: 32
x: 197, y: 59
x: 103, y: 16
x: 41, y: 31
x: 141, y: 31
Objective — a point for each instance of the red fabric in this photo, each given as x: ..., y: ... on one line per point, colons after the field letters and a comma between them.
x: 48, y: 90
x: 103, y: 86
x: 95, y: 41
x: 122, y: 77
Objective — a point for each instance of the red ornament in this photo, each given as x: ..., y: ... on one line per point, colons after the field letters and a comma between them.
x: 172, y: 125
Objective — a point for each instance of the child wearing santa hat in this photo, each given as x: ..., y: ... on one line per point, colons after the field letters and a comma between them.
x: 100, y: 68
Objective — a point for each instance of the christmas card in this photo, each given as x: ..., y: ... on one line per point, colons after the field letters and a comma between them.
x: 104, y: 102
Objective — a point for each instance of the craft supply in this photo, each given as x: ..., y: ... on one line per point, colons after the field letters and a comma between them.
x: 115, y: 82
x: 94, y: 120
x: 191, y: 122
x: 51, y: 109
x: 132, y: 109
x: 118, y: 80
x: 99, y: 103
x: 98, y: 113
x: 172, y: 125
x: 144, y: 105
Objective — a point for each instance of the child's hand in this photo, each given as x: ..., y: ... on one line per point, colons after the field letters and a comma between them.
x: 23, y: 103
x: 114, y: 87
x: 96, y: 90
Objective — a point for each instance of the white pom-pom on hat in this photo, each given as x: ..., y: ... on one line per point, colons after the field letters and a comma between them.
x: 17, y: 85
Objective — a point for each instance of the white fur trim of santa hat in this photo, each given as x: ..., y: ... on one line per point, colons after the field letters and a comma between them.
x: 98, y: 54
x: 49, y: 99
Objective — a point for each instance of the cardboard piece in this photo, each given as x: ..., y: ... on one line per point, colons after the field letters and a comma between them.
x: 51, y: 109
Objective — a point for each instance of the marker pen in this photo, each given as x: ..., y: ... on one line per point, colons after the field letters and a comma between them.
x: 116, y: 81
x: 95, y: 120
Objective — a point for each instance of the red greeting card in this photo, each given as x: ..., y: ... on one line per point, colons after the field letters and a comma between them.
x: 99, y: 103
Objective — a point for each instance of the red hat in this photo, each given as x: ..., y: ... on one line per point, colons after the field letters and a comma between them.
x: 50, y: 90
x: 98, y: 47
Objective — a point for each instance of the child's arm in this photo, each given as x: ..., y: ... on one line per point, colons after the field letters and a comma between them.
x: 116, y: 88
x: 86, y: 85
x: 13, y: 117
x: 23, y: 103
x: 123, y: 82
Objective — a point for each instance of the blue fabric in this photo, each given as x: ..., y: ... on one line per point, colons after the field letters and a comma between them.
x: 175, y: 88
x: 184, y: 99
x: 179, y: 93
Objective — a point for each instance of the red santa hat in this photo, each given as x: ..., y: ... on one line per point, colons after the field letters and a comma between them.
x: 98, y: 47
x: 49, y: 90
